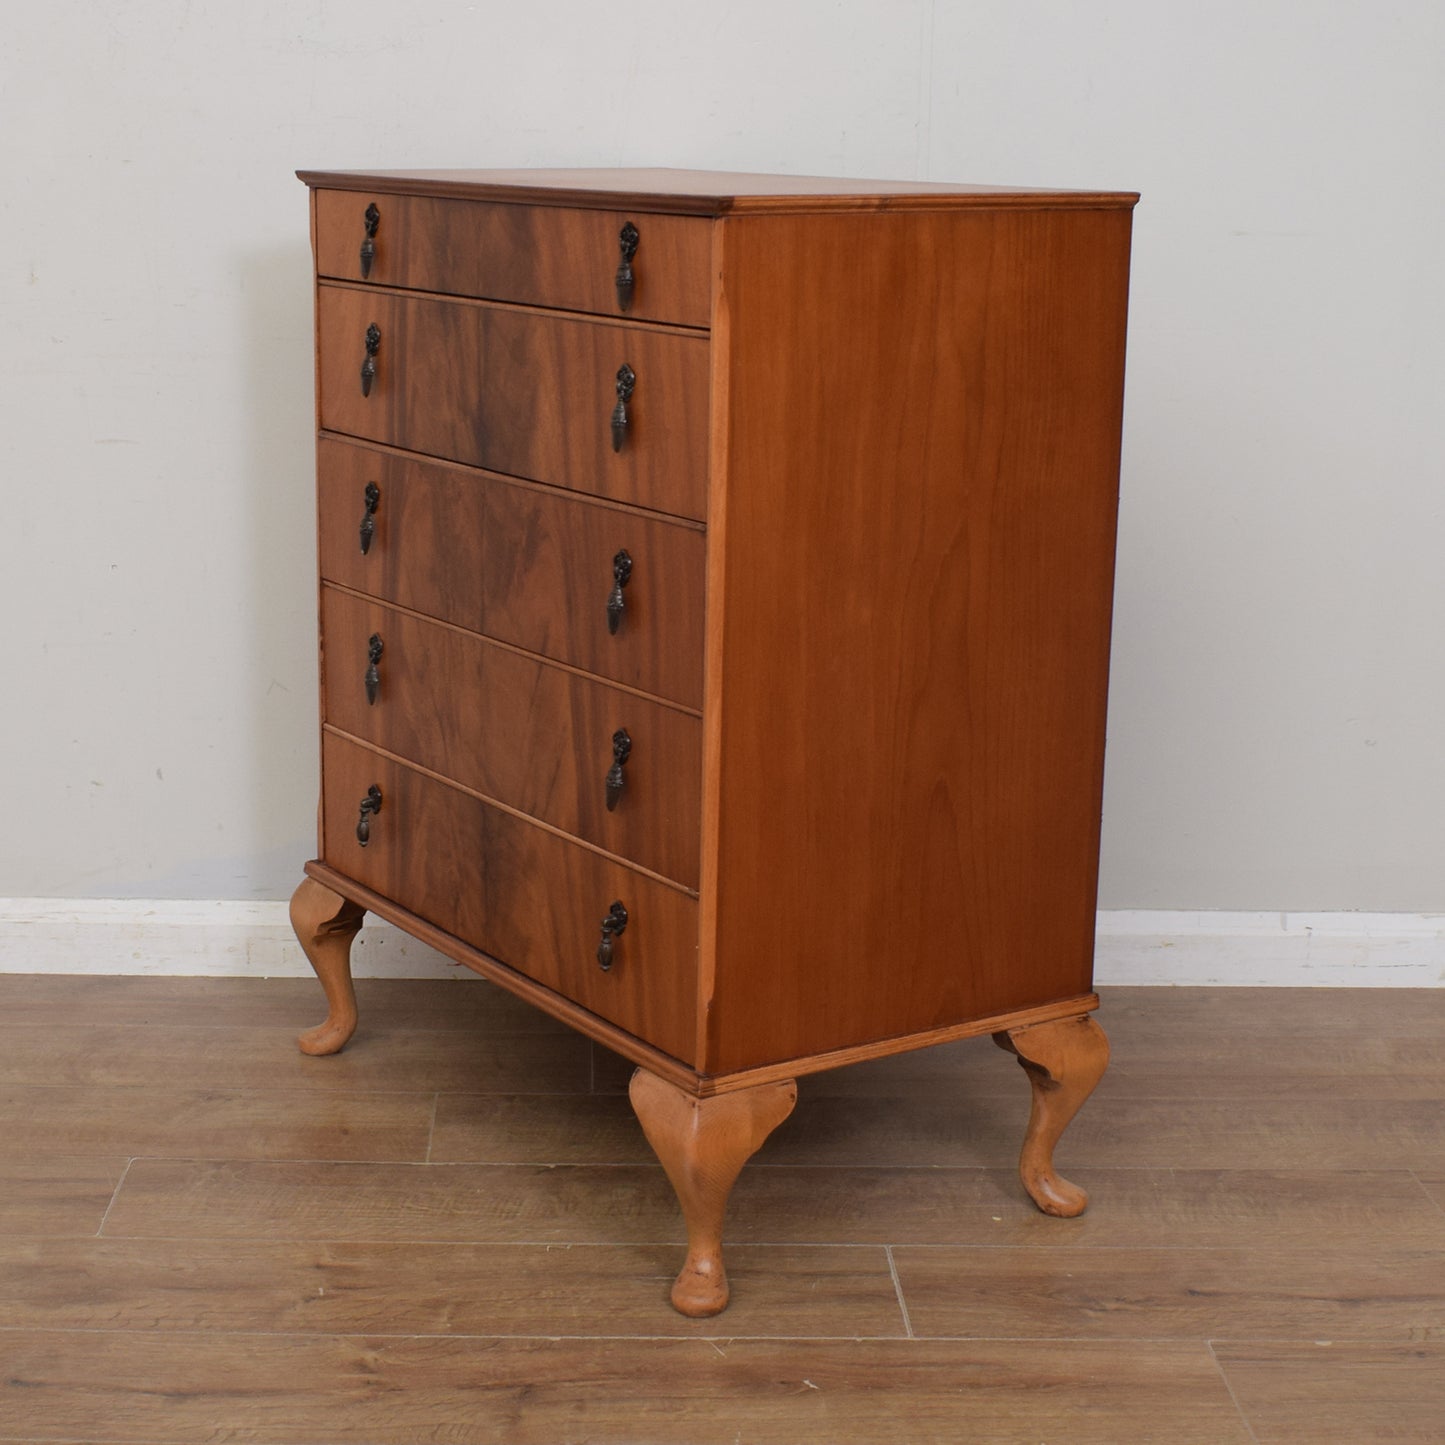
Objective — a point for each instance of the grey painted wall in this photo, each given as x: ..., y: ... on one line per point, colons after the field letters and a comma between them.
x: 1278, y: 694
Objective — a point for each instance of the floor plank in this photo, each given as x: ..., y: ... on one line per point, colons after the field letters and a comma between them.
x: 967, y: 1130
x: 1298, y: 1066
x: 222, y: 1057
x: 198, y: 1123
x: 455, y: 1231
x: 318, y: 1389
x: 1433, y: 1183
x: 1329, y: 1131
x: 538, y: 1129
x: 1366, y: 1291
x: 467, y: 1003
x: 367, y: 1201
x: 1334, y: 1131
x: 633, y: 1203
x: 407, y: 1288
x: 1264, y: 1015
x: 55, y: 1196
x: 1325, y: 1393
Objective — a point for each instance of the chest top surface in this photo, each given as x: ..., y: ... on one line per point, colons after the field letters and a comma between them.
x: 709, y: 193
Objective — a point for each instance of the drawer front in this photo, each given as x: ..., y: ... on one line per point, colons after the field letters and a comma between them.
x: 522, y: 392
x: 533, y: 736
x: 532, y: 567
x: 536, y: 255
x: 530, y: 899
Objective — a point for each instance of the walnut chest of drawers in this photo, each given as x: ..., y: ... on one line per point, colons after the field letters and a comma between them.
x: 715, y: 601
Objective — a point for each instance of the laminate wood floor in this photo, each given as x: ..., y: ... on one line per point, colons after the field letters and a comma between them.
x: 454, y: 1232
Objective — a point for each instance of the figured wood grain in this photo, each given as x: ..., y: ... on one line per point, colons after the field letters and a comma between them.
x: 527, y: 565
x: 518, y: 892
x: 915, y: 575
x: 527, y: 734
x: 537, y: 255
x: 525, y: 990
x: 405, y: 1288
x: 528, y: 393
x: 318, y: 1389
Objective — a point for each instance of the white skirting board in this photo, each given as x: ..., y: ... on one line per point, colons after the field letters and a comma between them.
x: 1135, y: 946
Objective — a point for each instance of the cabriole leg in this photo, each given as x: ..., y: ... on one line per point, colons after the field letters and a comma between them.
x: 703, y: 1145
x: 1064, y: 1061
x: 325, y: 924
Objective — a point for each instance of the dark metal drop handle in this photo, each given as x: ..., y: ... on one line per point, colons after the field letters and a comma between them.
x: 372, y: 496
x: 612, y: 926
x: 627, y: 240
x: 616, y: 778
x: 368, y: 246
x: 370, y: 806
x: 616, y: 602
x: 626, y: 385
x: 374, y: 649
x: 368, y: 367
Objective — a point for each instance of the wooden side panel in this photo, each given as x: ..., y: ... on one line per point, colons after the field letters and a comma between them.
x: 528, y: 898
x: 533, y: 736
x: 909, y: 680
x: 539, y: 255
x: 521, y: 563
x: 527, y: 393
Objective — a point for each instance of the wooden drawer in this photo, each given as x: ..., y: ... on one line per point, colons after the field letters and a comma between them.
x: 527, y: 733
x: 530, y: 899
x: 523, y: 392
x: 521, y: 563
x: 538, y: 255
